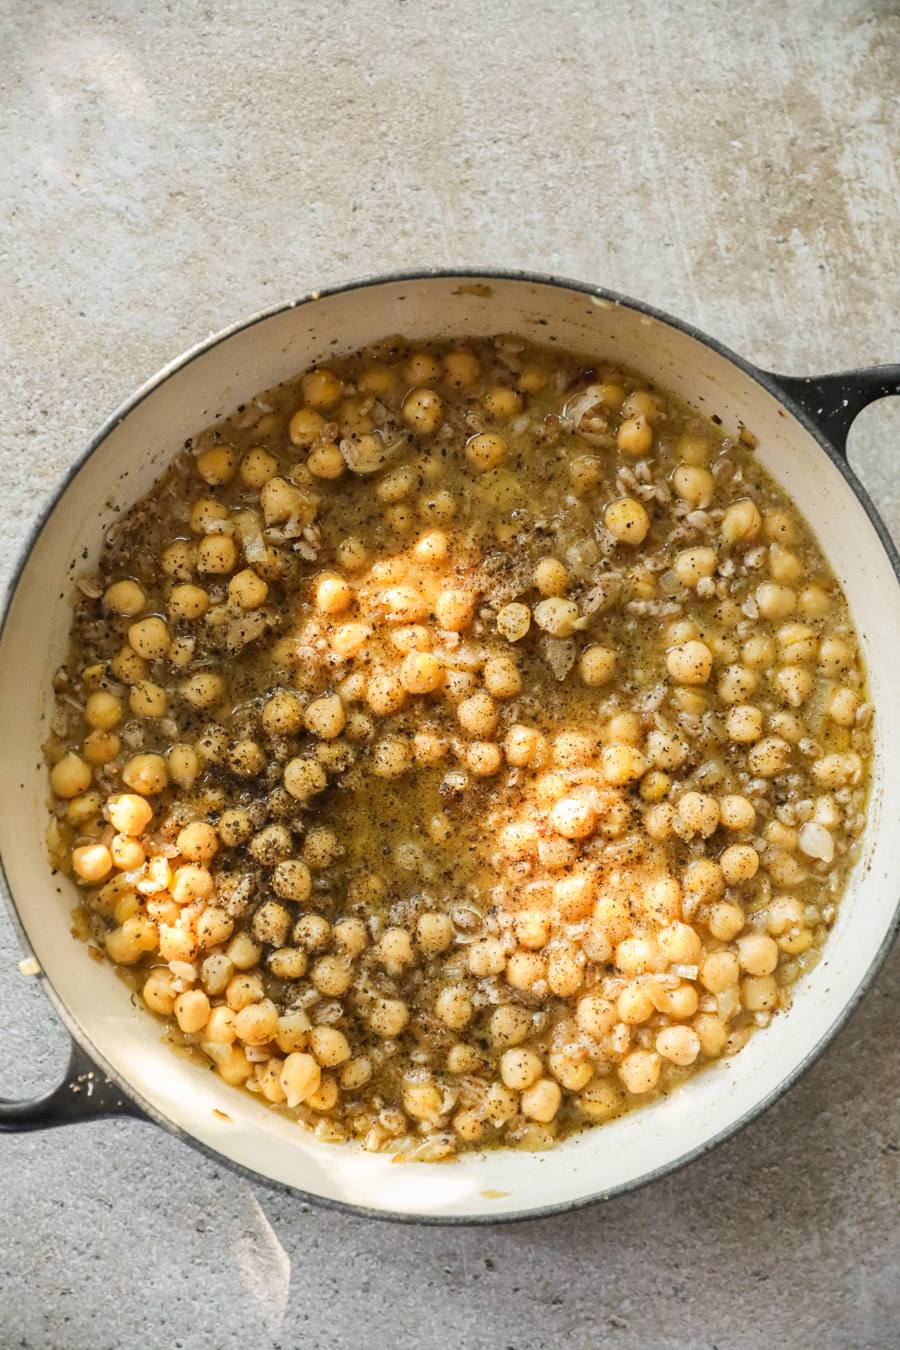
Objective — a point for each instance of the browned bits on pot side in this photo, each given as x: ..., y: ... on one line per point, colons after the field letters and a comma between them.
x: 461, y: 745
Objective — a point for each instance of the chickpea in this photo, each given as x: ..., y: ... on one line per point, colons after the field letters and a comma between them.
x: 627, y: 521
x: 434, y: 933
x: 759, y: 993
x: 719, y: 971
x: 758, y: 954
x: 769, y: 756
x: 835, y: 656
x: 70, y: 777
x: 395, y: 950
x: 421, y: 673
x: 320, y: 388
x: 486, y: 451
x: 694, y: 485
x: 179, y: 560
x: 523, y: 969
x: 775, y: 601
x: 705, y: 880
x: 815, y: 602
x: 737, y: 813
x: 303, y: 778
x: 423, y: 411
x: 217, y: 465
x: 479, y: 714
x: 484, y: 758
x: 300, y: 1077
x: 600, y: 1100
x: 741, y: 523
x: 247, y: 589
x: 101, y: 747
x: 332, y: 595
x: 690, y: 662
x: 198, y: 842
x: 737, y: 684
x: 92, y: 863
x: 325, y: 717
x: 432, y: 548
x: 146, y: 774
x: 565, y: 971
x: 520, y: 1068
x: 725, y: 921
x: 388, y: 1016
x: 843, y: 707
x: 550, y: 577
x: 744, y: 723
x: 437, y: 507
x: 693, y: 564
x: 192, y: 1010
x: 635, y: 436
x: 428, y: 748
x: 597, y: 665
x: 158, y: 992
x: 214, y: 926
x: 586, y: 472
x: 127, y: 854
x: 461, y: 368
x: 556, y: 616
x: 217, y: 554
x: 639, y: 1071
x: 125, y: 598
x: 681, y: 1045
x: 147, y: 699
x: 258, y: 466
x: 149, y: 638
x: 502, y: 404
x: 391, y: 757
x: 454, y: 609
x: 501, y: 677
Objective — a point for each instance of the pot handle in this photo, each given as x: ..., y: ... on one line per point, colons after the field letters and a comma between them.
x: 833, y: 402
x: 84, y: 1093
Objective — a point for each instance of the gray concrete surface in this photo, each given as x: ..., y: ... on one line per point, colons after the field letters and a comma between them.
x: 166, y: 169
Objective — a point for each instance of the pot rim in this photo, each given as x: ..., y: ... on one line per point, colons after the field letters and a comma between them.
x: 488, y: 274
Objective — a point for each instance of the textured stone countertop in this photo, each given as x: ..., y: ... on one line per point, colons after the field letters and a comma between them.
x: 167, y: 169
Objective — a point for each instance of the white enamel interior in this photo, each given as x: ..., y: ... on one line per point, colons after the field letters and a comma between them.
x: 126, y: 463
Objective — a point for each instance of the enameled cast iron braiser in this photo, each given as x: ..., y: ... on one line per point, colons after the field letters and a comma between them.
x: 118, y: 1063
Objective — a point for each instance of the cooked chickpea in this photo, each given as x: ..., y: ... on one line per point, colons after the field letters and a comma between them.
x: 217, y: 554
x: 391, y: 757
x: 423, y: 411
x: 719, y: 972
x: 639, y: 1071
x: 690, y: 662
x: 454, y: 609
x: 486, y: 451
x: 70, y: 776
x: 421, y: 673
x: 332, y: 594
x: 744, y: 723
x: 627, y: 521
x: 741, y: 523
x: 502, y: 404
x: 556, y: 616
x: 501, y: 677
x: 635, y: 436
x: 693, y: 564
x: 681, y: 1045
x: 146, y: 774
x: 694, y: 485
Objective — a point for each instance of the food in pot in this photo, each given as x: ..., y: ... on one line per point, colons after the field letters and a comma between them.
x: 462, y: 744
